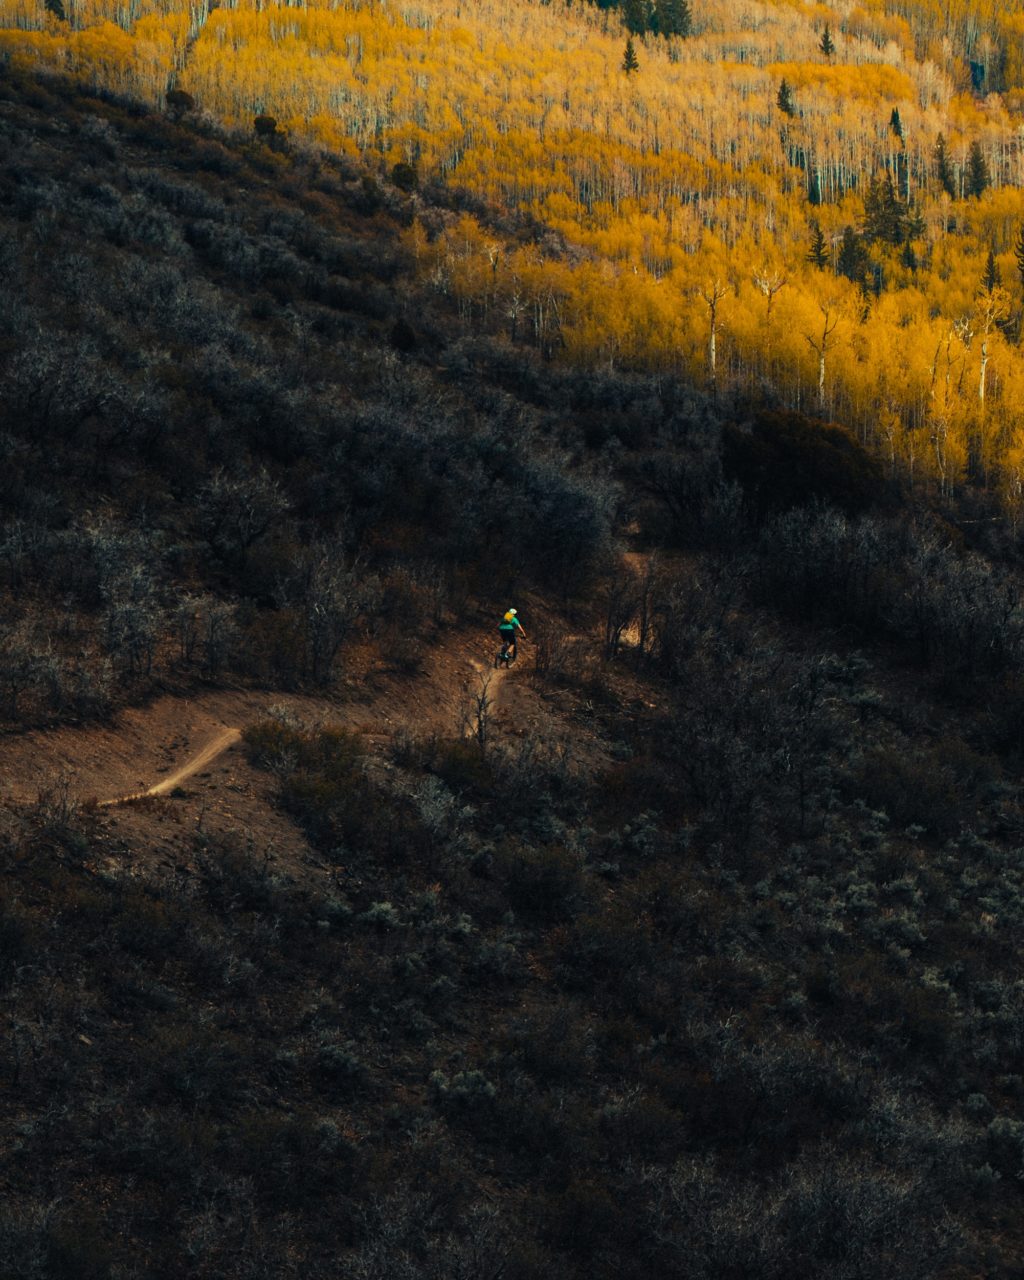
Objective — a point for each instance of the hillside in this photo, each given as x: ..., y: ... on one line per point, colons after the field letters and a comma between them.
x: 834, y: 225
x: 694, y: 953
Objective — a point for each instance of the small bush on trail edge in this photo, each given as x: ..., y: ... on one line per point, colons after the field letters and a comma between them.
x: 462, y: 766
x: 333, y: 752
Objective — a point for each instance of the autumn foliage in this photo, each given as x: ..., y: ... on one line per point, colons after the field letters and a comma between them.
x: 685, y: 199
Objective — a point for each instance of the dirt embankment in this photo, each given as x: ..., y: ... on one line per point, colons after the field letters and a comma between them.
x: 159, y: 771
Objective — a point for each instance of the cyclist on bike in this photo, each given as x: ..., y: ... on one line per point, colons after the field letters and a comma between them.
x: 510, y: 628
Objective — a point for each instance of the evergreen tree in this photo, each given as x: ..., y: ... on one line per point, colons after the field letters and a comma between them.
x: 943, y: 169
x: 992, y: 277
x: 826, y: 44
x: 672, y: 18
x: 56, y: 7
x: 817, y: 255
x: 884, y: 218
x: 908, y: 257
x: 896, y: 124
x: 1018, y: 253
x: 637, y: 16
x: 977, y: 170
x: 784, y: 99
x: 630, y: 63
x: 853, y: 258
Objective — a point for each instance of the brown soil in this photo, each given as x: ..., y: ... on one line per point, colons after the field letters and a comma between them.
x: 158, y: 772
x: 215, y: 747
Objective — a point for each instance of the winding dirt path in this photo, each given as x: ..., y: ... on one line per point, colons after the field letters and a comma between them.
x: 152, y: 749
x: 227, y: 738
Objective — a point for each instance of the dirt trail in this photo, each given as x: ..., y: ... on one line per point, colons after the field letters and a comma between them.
x: 149, y: 750
x: 225, y: 739
x: 484, y: 696
x: 175, y: 754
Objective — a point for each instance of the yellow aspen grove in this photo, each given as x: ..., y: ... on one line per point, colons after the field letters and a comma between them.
x: 662, y: 184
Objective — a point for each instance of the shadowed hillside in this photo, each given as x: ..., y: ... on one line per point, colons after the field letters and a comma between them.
x: 694, y: 954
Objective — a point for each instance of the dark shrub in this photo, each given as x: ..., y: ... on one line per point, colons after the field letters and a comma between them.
x: 76, y: 1249
x: 178, y: 102
x: 937, y: 788
x: 786, y: 460
x: 404, y: 177
x: 545, y: 883
x: 403, y: 336
x: 17, y: 939
x: 462, y: 766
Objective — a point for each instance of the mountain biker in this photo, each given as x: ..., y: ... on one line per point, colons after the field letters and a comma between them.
x: 510, y: 628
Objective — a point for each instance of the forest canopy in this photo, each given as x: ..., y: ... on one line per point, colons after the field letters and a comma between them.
x: 716, y: 212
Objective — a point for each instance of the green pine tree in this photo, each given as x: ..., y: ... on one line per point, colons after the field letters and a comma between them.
x: 977, y: 170
x: 884, y: 218
x: 826, y: 44
x: 630, y: 62
x: 1018, y: 253
x: 908, y: 257
x: 672, y: 18
x: 817, y: 255
x: 853, y: 258
x: 637, y: 16
x: 943, y: 169
x: 784, y: 99
x: 992, y: 277
x: 896, y: 124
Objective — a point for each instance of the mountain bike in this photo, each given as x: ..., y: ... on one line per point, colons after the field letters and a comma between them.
x: 505, y: 656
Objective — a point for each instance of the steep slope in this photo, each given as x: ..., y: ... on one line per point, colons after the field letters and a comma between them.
x: 698, y: 959
x: 225, y: 440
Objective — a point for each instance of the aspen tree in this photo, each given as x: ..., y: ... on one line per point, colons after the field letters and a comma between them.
x: 770, y: 283
x: 635, y: 181
x: 821, y: 342
x: 993, y: 307
x: 950, y: 352
x: 712, y: 292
